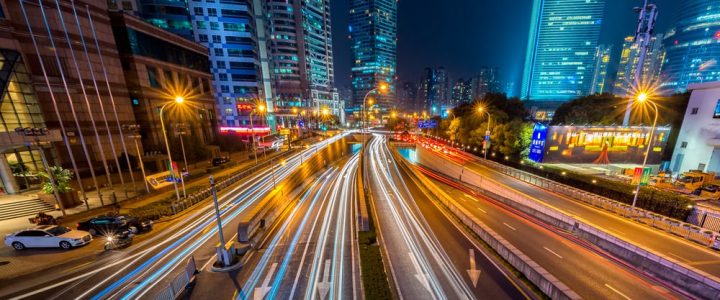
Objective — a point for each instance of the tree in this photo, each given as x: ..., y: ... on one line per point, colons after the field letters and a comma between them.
x: 453, y: 129
x: 62, y: 180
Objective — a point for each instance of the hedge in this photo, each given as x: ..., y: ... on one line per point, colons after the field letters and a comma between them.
x: 658, y: 201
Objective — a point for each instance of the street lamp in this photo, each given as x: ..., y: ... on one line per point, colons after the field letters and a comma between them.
x: 136, y: 136
x: 487, y: 132
x: 178, y: 100
x: 181, y: 130
x: 382, y: 87
x: 643, y: 98
x: 261, y: 109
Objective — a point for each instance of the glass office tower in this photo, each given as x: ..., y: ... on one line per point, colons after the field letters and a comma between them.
x: 693, y: 46
x: 561, y: 49
x: 373, y: 35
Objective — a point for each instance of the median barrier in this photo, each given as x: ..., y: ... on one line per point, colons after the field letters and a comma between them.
x: 684, y: 277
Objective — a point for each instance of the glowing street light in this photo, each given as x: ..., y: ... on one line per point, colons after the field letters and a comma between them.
x: 642, y: 99
x: 179, y: 100
x: 382, y: 88
x: 261, y: 109
x: 487, y: 132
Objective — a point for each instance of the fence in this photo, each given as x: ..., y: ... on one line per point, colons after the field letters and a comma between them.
x: 221, y: 183
x: 178, y: 285
x: 703, y: 236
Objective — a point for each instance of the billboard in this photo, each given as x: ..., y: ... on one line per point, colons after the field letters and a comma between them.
x: 600, y: 144
x: 537, y: 145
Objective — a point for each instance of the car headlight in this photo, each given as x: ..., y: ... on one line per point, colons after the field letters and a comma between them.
x: 77, y: 240
x: 110, y: 238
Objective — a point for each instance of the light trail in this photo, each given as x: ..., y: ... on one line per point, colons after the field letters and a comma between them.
x: 415, y: 229
x: 257, y: 185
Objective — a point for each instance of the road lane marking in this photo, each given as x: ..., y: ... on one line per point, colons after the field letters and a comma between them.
x: 480, y: 209
x: 618, y: 292
x: 678, y: 257
x: 508, y: 226
x: 553, y: 252
x: 471, y: 197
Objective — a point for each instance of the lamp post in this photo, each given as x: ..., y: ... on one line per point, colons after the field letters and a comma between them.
x: 178, y: 100
x: 259, y: 108
x: 644, y: 98
x: 487, y: 132
x: 136, y: 136
x: 382, y: 87
x: 181, y: 130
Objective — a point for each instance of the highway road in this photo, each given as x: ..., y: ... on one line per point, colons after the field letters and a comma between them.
x: 312, y: 254
x: 589, y: 274
x: 421, y: 266
x: 146, y: 266
x: 652, y: 239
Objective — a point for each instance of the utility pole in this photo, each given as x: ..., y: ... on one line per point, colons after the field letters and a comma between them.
x: 646, y: 24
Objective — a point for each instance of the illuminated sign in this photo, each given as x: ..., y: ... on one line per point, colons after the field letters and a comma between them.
x: 427, y: 124
x: 598, y: 144
x: 716, y: 114
x: 537, y: 145
x: 245, y: 130
x: 245, y: 107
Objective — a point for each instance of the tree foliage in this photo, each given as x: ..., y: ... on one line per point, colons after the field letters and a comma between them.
x: 62, y: 180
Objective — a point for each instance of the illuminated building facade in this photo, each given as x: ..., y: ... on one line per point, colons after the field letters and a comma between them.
x: 629, y: 57
x: 698, y: 144
x: 234, y: 31
x: 561, y: 49
x: 168, y: 66
x: 302, y: 57
x: 373, y: 39
x: 487, y: 81
x: 693, y: 46
x: 169, y: 15
x: 602, y: 60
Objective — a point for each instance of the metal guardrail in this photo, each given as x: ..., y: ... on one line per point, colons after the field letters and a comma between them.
x: 688, y: 231
x: 180, y: 283
x: 222, y: 183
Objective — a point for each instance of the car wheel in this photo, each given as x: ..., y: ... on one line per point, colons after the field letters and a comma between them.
x: 65, y: 245
x: 92, y: 231
x: 18, y: 246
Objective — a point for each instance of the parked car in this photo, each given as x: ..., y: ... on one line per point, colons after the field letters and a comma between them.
x: 220, y: 161
x: 48, y: 236
x: 109, y: 225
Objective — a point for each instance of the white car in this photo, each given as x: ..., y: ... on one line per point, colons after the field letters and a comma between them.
x: 47, y: 236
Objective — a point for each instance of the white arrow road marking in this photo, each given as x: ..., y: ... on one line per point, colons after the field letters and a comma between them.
x: 261, y: 291
x: 473, y: 272
x: 420, y: 275
x: 324, y: 286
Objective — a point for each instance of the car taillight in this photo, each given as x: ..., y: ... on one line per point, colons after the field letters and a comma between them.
x: 77, y: 225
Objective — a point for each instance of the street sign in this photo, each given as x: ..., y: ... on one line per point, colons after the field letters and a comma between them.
x: 285, y: 131
x: 427, y: 124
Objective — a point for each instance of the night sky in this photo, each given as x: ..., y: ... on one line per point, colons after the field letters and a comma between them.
x: 464, y: 35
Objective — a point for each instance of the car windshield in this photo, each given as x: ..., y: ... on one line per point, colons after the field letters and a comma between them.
x: 59, y: 230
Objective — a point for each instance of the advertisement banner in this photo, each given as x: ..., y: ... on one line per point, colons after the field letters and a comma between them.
x: 537, y: 145
x: 645, y: 179
x: 637, y: 175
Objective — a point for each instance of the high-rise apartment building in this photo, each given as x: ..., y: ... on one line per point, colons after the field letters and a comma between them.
x: 629, y: 58
x: 408, y: 96
x: 461, y: 92
x: 302, y: 57
x: 693, y: 46
x: 600, y: 78
x: 373, y: 35
x: 487, y: 81
x: 235, y: 33
x: 561, y: 49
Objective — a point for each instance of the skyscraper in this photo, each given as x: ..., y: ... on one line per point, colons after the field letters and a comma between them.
x: 236, y: 44
x: 373, y: 32
x: 561, y: 46
x: 169, y: 15
x: 461, y: 92
x: 629, y: 58
x: 302, y: 56
x: 693, y: 46
x: 487, y: 81
x: 602, y: 60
